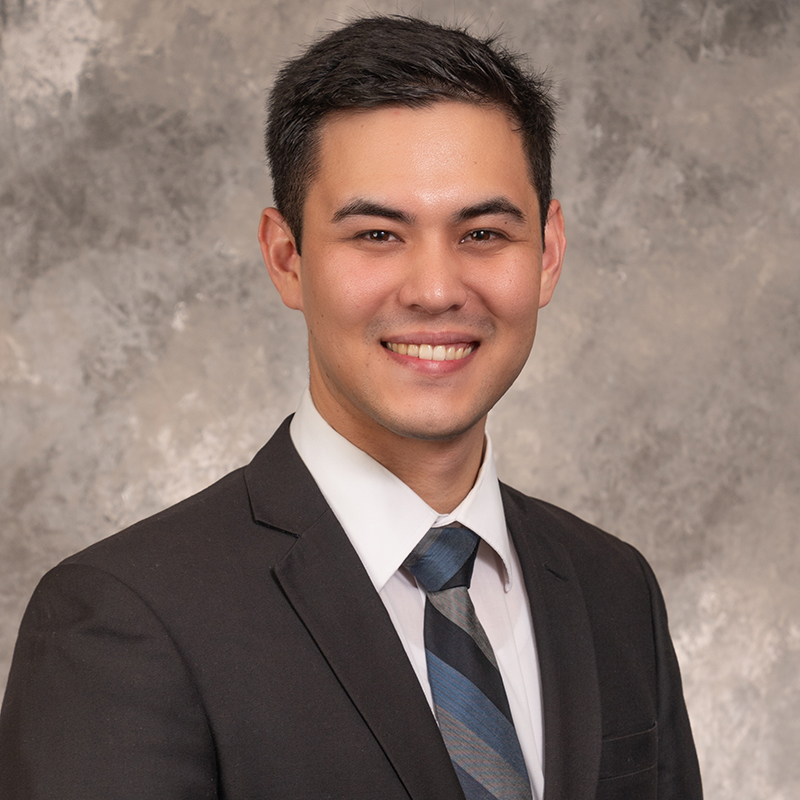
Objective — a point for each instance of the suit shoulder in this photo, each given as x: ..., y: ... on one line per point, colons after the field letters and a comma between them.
x: 182, y: 524
x: 210, y: 536
x: 588, y: 546
x: 229, y: 533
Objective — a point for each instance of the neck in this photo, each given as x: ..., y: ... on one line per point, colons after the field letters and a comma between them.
x: 440, y: 471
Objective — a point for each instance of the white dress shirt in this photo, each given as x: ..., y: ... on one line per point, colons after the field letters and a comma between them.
x: 384, y: 519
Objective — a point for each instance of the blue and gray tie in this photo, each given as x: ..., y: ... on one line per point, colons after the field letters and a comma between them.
x: 468, y: 695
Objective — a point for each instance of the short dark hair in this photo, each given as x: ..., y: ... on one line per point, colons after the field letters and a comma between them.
x: 398, y: 60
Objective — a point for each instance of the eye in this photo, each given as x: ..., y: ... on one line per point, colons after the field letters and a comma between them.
x: 377, y: 236
x: 482, y: 235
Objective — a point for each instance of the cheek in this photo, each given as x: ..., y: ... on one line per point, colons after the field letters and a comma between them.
x: 344, y: 294
x: 512, y: 296
x: 359, y: 290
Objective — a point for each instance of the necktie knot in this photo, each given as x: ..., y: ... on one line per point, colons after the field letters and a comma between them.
x: 444, y: 558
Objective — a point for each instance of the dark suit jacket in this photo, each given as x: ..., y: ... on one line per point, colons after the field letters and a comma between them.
x: 233, y: 647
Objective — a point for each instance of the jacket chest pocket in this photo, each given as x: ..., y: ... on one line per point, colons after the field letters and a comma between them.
x: 628, y: 766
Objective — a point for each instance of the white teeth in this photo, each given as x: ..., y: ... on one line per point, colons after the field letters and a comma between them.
x: 429, y: 352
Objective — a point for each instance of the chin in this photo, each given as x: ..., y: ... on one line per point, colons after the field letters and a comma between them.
x: 433, y: 427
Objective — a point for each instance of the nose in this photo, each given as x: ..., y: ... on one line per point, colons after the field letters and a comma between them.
x: 433, y: 280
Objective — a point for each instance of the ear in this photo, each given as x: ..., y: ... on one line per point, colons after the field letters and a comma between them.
x: 555, y: 243
x: 281, y: 257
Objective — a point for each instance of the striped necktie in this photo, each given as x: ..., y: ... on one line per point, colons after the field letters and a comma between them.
x: 468, y: 695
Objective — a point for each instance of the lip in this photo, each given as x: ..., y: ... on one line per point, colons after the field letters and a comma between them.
x: 430, y: 367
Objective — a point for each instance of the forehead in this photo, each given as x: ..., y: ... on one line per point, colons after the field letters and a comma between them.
x: 421, y: 154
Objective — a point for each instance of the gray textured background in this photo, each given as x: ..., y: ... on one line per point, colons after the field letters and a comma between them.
x: 143, y: 352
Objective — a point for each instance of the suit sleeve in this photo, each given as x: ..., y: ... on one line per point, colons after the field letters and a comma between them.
x: 99, y: 702
x: 678, y: 768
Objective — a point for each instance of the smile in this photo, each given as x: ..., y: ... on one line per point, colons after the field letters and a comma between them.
x: 429, y: 352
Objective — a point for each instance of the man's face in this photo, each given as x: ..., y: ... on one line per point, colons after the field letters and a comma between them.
x: 422, y: 269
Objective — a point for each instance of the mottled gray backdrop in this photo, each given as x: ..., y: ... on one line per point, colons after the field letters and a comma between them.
x: 143, y: 352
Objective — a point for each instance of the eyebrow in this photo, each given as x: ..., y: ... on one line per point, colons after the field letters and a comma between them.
x: 496, y: 205
x: 367, y: 208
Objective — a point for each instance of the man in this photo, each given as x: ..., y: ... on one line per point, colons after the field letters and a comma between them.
x: 363, y: 611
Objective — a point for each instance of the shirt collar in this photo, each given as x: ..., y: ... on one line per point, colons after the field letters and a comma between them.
x: 383, y: 518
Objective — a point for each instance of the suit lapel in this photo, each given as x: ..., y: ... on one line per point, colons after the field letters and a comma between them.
x: 331, y: 592
x: 570, y: 693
